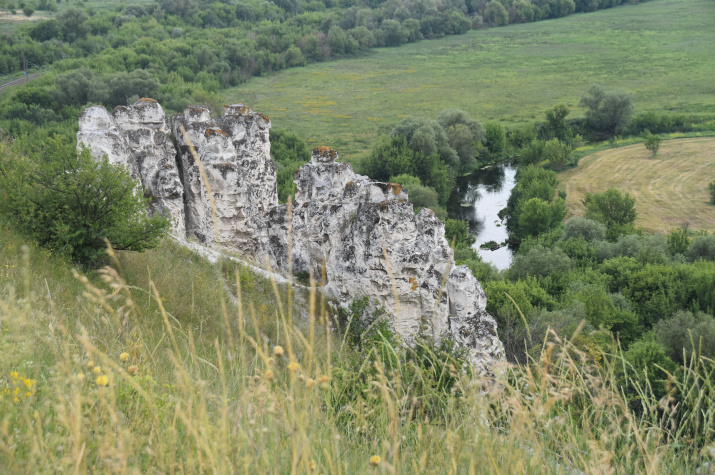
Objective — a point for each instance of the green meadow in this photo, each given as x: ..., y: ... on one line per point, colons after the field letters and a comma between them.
x: 660, y: 51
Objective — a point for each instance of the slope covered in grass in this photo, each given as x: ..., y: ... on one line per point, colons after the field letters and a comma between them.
x: 660, y: 51
x: 671, y: 190
x: 153, y: 365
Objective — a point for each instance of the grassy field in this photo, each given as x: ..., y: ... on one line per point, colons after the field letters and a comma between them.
x: 670, y: 190
x: 660, y: 51
x: 155, y: 365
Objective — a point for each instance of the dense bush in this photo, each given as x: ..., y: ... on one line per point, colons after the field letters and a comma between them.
x: 71, y: 203
x: 289, y: 152
x: 613, y: 209
x: 532, y: 207
x: 608, y: 113
x: 702, y: 248
x: 686, y: 332
x: 587, y: 229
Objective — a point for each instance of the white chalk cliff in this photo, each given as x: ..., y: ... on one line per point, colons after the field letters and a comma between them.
x: 365, y: 232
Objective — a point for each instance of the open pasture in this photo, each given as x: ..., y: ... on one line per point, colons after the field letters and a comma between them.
x: 660, y: 51
x: 671, y: 190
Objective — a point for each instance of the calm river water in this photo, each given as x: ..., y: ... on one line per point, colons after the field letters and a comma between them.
x: 481, y: 196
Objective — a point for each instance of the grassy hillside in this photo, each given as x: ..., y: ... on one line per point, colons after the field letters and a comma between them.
x: 660, y: 51
x: 149, y: 368
x: 670, y: 190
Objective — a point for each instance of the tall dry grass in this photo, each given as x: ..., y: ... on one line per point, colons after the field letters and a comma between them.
x: 158, y: 364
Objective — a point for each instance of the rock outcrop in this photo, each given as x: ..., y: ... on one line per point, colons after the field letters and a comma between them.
x: 235, y: 153
x: 364, y: 232
x: 139, y: 138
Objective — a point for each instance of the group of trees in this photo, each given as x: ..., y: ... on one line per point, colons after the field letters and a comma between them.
x: 426, y: 155
x: 655, y: 293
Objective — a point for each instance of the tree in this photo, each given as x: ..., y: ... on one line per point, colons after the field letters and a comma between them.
x: 614, y: 209
x: 28, y: 9
x: 70, y: 202
x: 686, y: 331
x: 495, y: 14
x: 75, y: 88
x: 702, y: 249
x: 556, y: 125
x: 607, y: 112
x: 465, y: 136
x: 537, y: 216
x: 586, y: 229
x: 121, y: 87
x: 557, y: 152
x: 72, y: 22
x: 289, y: 152
x: 652, y: 143
x: 648, y: 358
x: 495, y: 138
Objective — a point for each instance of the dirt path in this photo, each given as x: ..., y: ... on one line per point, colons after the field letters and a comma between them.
x: 671, y: 190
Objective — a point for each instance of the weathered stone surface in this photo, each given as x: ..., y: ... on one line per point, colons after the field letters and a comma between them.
x: 139, y: 137
x: 235, y: 153
x: 373, y: 244
x: 364, y: 232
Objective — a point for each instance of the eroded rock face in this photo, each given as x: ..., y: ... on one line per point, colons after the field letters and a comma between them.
x: 372, y: 244
x: 365, y: 232
x: 235, y: 153
x: 139, y: 138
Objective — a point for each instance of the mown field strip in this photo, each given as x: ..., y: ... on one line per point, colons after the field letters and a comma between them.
x: 671, y: 190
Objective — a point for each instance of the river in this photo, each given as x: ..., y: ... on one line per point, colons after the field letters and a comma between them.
x: 481, y: 195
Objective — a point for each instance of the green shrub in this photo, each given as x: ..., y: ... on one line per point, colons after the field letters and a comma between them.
x: 533, y: 153
x: 71, y: 202
x: 558, y: 153
x: 607, y: 112
x: 652, y: 143
x: 702, y: 249
x: 614, y: 209
x: 289, y: 152
x: 685, y: 331
x: 650, y: 362
x: 495, y: 138
x: 540, y: 261
x: 711, y: 188
x: 585, y: 228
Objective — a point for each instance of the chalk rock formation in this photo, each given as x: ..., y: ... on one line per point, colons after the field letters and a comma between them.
x: 372, y: 244
x: 139, y: 138
x: 235, y: 154
x: 365, y: 232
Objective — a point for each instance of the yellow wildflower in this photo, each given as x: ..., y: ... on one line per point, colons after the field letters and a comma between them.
x: 310, y: 383
x: 80, y: 377
x: 375, y: 460
x: 102, y: 380
x: 124, y: 356
x: 97, y: 370
x: 293, y: 366
x: 278, y: 351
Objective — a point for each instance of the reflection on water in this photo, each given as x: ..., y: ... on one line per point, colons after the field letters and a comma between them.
x: 481, y: 196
